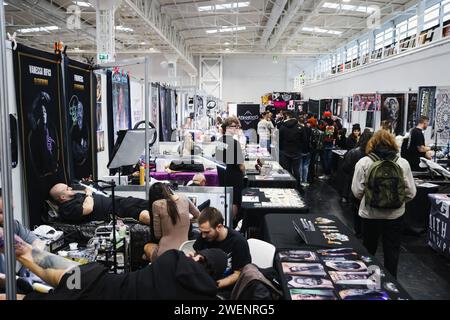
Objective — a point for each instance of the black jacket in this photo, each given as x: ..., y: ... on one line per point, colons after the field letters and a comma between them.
x: 305, y: 143
x: 290, y: 138
x: 351, y: 142
x: 350, y: 160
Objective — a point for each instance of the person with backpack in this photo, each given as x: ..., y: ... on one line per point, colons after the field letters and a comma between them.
x: 290, y: 137
x: 383, y: 182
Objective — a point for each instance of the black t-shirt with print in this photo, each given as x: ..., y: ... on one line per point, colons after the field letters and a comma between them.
x: 72, y: 210
x: 234, y: 245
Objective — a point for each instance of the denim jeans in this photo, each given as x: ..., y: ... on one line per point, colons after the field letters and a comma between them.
x: 305, y: 160
x: 327, y: 157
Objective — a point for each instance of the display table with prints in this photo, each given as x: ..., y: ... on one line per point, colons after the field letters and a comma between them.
x: 257, y: 202
x: 313, y: 267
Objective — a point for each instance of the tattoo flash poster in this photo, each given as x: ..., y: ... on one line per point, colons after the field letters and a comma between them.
x: 443, y: 114
x: 99, y: 115
x: 426, y: 107
x: 80, y: 120
x: 119, y: 111
x: 411, y: 120
x: 40, y: 111
x: 392, y: 111
x: 366, y: 102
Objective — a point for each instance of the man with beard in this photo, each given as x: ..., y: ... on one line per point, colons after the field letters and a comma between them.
x: 215, y: 235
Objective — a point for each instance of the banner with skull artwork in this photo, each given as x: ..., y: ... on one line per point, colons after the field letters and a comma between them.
x: 392, y: 106
x: 443, y: 114
x: 80, y: 120
x: 41, y: 125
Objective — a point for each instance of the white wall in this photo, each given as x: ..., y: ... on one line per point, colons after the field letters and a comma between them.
x: 247, y: 77
x: 18, y: 191
x: 428, y: 66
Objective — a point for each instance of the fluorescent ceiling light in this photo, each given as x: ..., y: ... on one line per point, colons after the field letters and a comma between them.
x: 320, y: 30
x: 224, y: 6
x: 38, y: 29
x: 227, y: 43
x: 348, y: 7
x: 83, y: 4
x: 225, y: 29
x: 125, y: 29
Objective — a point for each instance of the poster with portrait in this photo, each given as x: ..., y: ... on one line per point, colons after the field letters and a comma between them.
x: 443, y: 114
x: 119, y: 110
x: 392, y: 111
x: 366, y: 102
x: 41, y: 125
x: 80, y: 119
x: 411, y: 120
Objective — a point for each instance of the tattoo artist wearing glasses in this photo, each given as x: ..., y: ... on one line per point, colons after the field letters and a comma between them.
x: 229, y: 152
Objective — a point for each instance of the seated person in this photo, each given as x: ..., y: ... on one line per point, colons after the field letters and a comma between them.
x: 170, y: 219
x: 215, y: 235
x: 84, y: 207
x: 172, y: 276
x: 199, y: 180
x: 19, y: 230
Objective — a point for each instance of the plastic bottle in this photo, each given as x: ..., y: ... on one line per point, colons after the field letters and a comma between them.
x: 141, y: 175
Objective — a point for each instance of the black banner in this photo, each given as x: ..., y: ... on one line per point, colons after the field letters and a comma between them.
x: 119, y: 105
x: 392, y: 106
x: 426, y: 106
x: 80, y: 120
x: 41, y: 125
x: 248, y: 114
x: 438, y: 229
x: 411, y: 121
x: 313, y: 107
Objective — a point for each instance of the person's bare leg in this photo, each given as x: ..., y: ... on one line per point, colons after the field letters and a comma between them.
x: 235, y: 211
x: 144, y: 217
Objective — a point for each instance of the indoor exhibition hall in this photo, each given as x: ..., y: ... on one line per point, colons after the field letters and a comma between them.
x: 226, y: 150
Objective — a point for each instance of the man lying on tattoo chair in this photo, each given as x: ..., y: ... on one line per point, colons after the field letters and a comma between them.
x: 79, y: 207
x: 172, y: 276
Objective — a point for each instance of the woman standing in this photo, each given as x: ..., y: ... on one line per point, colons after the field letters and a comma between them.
x: 383, y: 196
x: 170, y: 219
x: 229, y: 153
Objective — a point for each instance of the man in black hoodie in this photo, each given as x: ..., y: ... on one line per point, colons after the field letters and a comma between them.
x: 290, y: 140
x: 172, y: 276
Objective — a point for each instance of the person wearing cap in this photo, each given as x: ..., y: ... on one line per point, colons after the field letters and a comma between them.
x: 353, y: 138
x: 173, y: 276
x: 213, y: 234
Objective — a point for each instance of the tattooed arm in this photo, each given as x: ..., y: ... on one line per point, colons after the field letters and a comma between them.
x: 47, y: 266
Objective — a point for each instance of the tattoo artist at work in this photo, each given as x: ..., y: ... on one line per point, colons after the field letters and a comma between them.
x: 84, y: 207
x: 215, y: 235
x: 172, y: 276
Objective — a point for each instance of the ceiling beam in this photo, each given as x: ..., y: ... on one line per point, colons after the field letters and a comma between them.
x: 275, y: 15
x: 162, y: 26
x: 294, y: 7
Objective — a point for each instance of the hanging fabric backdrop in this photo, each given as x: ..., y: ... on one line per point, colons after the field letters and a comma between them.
x: 80, y: 120
x: 313, y: 107
x: 41, y: 119
x: 248, y: 114
x: 426, y: 107
x: 443, y: 114
x: 119, y: 110
x: 366, y: 102
x: 392, y: 110
x: 411, y: 121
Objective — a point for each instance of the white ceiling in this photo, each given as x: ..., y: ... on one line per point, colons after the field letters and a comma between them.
x: 271, y: 26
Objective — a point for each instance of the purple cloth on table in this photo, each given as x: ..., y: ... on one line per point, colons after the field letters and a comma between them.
x: 211, y: 176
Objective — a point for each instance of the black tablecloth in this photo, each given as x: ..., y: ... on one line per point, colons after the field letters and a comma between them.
x: 417, y: 211
x: 279, y: 230
x: 253, y: 214
x: 271, y: 182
